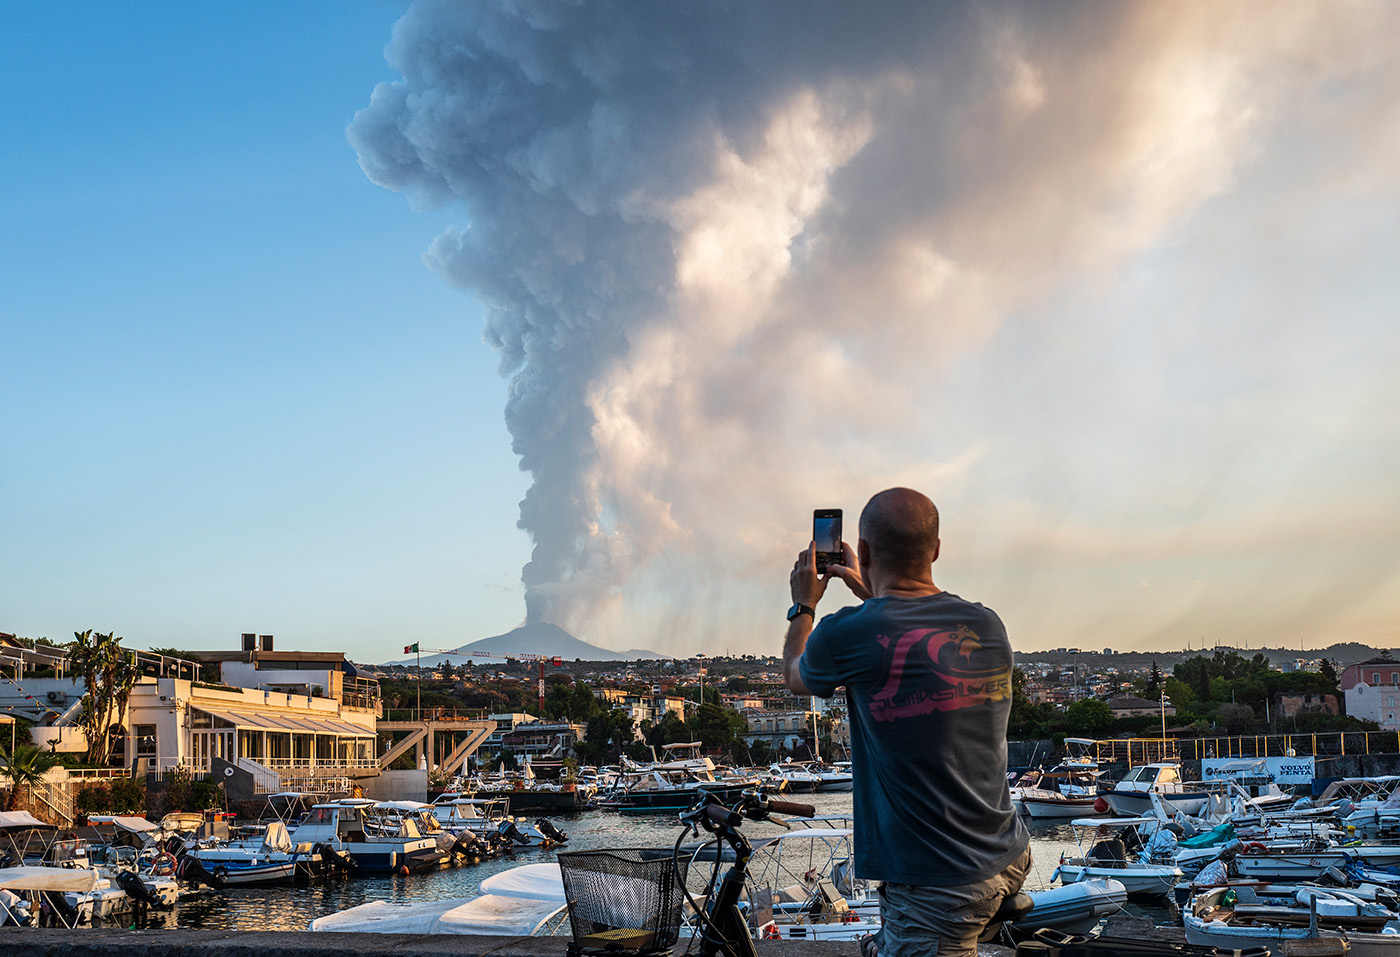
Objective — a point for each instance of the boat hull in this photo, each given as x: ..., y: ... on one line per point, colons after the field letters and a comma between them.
x: 1139, y: 804
x: 1039, y: 808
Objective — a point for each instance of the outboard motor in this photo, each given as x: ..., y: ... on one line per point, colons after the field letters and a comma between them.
x: 510, y: 831
x: 191, y: 870
x: 333, y: 860
x: 470, y: 846
x: 551, y: 832
x: 136, y: 888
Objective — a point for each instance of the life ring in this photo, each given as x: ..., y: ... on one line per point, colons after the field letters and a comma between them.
x: 221, y: 872
x: 164, y: 865
x: 771, y: 932
x: 1255, y: 847
x: 851, y: 917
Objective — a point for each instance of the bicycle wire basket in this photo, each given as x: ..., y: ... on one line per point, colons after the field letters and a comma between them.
x: 623, y: 901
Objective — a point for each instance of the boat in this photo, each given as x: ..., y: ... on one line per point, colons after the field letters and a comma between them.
x: 1304, y: 860
x: 340, y: 827
x: 1054, y: 805
x: 1073, y: 908
x: 792, y: 778
x: 271, y: 860
x: 520, y: 902
x: 1130, y: 796
x: 1244, y: 915
x: 836, y: 777
x: 1107, y: 858
x: 31, y: 885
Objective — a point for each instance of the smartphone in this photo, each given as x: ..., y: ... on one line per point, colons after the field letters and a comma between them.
x: 826, y: 532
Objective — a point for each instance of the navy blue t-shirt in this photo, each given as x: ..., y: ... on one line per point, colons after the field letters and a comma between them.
x: 928, y: 688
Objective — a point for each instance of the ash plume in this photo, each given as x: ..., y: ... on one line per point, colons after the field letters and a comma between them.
x: 743, y: 259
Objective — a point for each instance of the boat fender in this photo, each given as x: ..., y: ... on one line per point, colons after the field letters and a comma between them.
x: 1100, y: 805
x: 221, y: 873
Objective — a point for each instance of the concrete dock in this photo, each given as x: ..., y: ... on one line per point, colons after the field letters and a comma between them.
x: 161, y: 942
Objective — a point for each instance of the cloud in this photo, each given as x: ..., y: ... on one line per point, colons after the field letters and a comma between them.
x: 742, y: 260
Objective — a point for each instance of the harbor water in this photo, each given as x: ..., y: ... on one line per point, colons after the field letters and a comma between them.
x: 293, y: 907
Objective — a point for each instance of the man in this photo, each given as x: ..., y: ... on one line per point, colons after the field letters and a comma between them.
x: 928, y: 686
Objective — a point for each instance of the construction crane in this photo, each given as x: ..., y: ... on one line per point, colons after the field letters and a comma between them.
x: 554, y: 660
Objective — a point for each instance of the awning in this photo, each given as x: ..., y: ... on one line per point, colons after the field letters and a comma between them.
x: 300, y: 724
x: 22, y: 820
x: 133, y: 823
x: 77, y: 880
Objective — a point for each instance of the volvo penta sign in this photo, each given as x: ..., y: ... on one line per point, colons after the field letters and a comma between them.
x: 1284, y: 770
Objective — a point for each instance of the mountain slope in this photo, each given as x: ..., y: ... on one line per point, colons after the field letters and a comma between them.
x: 540, y: 638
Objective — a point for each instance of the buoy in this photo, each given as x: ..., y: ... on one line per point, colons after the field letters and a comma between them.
x: 403, y: 869
x: 1100, y: 805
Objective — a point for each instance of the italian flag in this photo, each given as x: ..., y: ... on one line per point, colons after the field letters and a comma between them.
x: 411, y: 648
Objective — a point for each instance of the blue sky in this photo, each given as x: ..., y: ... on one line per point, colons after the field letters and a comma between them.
x: 236, y: 400
x: 1114, y: 284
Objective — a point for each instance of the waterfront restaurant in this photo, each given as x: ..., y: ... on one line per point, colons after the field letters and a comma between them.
x: 294, y: 720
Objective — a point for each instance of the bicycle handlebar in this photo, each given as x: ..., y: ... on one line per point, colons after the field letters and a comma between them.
x: 792, y: 808
x: 722, y: 815
x: 752, y: 804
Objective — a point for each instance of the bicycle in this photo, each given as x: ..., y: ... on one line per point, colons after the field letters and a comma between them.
x: 724, y: 929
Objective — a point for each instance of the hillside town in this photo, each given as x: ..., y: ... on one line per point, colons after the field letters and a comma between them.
x: 257, y: 719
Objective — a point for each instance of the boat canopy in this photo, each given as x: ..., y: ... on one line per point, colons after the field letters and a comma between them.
x: 22, y: 821
x: 79, y: 880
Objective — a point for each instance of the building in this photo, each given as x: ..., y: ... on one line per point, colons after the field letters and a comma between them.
x: 1291, y: 704
x: 1129, y: 706
x: 292, y: 720
x: 780, y: 730
x: 1371, y: 689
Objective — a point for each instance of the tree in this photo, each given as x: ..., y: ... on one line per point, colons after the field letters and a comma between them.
x: 24, y: 769
x: 1237, y: 718
x: 109, y: 672
x: 1153, y: 688
x: 1089, y: 717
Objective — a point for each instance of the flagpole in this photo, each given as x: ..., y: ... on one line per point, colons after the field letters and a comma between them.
x: 419, y: 653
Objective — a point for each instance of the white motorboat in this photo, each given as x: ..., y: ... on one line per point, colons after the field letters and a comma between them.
x: 520, y: 902
x: 1051, y: 804
x: 272, y: 860
x: 341, y: 827
x: 836, y: 777
x: 1107, y: 859
x: 1130, y: 797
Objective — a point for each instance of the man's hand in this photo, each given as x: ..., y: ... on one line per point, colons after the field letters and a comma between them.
x: 807, y: 586
x: 849, y: 572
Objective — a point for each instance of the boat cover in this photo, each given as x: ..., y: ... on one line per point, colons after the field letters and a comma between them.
x: 10, y: 820
x: 490, y: 914
x: 542, y: 882
x: 1216, y: 835
x: 80, y: 880
x: 129, y: 822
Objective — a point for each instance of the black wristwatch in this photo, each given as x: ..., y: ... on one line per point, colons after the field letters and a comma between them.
x: 800, y: 609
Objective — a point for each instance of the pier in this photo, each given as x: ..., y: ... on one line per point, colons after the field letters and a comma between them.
x: 31, y: 942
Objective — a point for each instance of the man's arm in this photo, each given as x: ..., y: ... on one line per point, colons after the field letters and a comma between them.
x: 807, y: 589
x: 793, y: 646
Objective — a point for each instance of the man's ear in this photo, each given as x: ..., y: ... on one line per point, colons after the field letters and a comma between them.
x: 937, y: 546
x: 862, y: 552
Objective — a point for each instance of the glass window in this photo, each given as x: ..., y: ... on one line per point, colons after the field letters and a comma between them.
x: 146, y: 739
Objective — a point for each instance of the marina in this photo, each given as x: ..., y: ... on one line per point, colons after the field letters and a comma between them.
x: 292, y: 907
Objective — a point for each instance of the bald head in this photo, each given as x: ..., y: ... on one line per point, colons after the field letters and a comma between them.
x: 900, y: 526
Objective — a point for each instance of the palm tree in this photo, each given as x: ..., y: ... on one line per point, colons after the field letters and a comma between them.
x: 24, y: 769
